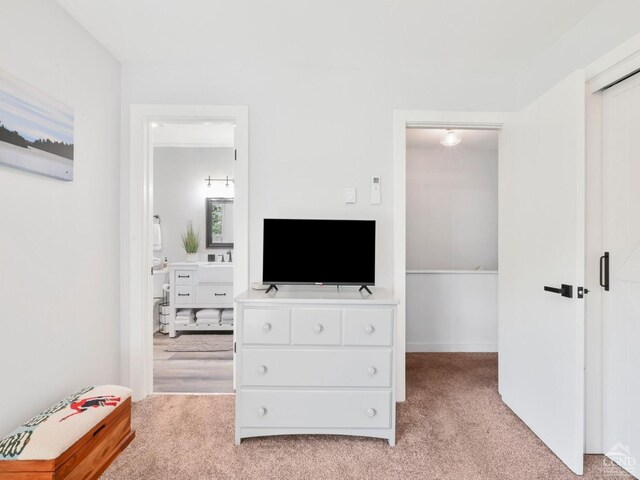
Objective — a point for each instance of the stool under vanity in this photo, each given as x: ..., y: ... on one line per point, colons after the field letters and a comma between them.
x: 199, y: 285
x: 321, y: 362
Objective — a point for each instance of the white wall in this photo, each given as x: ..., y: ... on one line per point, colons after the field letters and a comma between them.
x: 452, y: 312
x: 452, y: 208
x: 179, y: 193
x: 313, y: 132
x: 316, y: 129
x: 59, y: 241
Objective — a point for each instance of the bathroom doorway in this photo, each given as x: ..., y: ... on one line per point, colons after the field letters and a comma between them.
x: 198, y: 279
x: 193, y: 242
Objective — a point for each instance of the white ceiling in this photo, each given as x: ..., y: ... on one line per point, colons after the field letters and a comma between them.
x: 193, y: 134
x: 428, y: 138
x: 429, y: 34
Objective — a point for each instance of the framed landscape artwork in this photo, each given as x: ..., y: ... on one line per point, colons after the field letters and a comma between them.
x: 36, y: 130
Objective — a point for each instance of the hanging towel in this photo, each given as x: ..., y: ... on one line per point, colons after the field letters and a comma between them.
x: 157, y: 237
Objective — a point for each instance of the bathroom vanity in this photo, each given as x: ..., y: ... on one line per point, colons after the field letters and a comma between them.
x: 315, y: 362
x: 199, y: 285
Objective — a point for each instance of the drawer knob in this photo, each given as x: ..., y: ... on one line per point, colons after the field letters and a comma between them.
x: 318, y: 328
x: 372, y: 370
x: 262, y: 412
x: 369, y: 329
x: 371, y: 412
x: 266, y: 327
x: 262, y: 369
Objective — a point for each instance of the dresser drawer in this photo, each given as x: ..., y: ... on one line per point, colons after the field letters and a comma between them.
x: 315, y: 409
x: 316, y: 368
x: 184, y: 276
x: 266, y: 326
x: 315, y: 326
x: 368, y: 326
x: 214, y: 294
x: 184, y: 294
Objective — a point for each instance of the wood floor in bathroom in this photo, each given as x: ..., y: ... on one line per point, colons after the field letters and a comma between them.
x: 191, y: 372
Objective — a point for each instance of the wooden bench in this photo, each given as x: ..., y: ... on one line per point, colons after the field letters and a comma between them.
x: 75, y: 439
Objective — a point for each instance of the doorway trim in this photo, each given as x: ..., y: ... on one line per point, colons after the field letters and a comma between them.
x: 425, y: 119
x: 136, y: 306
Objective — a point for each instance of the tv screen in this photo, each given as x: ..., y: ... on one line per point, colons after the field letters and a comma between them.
x: 328, y: 252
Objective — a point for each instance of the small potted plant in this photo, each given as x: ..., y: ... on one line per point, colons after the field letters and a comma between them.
x: 191, y: 243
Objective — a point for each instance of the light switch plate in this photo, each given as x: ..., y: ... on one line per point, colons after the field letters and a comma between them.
x: 350, y: 195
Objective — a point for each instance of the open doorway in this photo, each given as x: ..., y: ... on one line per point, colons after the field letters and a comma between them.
x: 193, y: 244
x: 452, y: 240
x: 138, y: 226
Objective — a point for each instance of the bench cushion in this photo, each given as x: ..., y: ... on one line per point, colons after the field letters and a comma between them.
x: 50, y: 433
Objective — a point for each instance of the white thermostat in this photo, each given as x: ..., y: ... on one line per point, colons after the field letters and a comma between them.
x: 375, y: 190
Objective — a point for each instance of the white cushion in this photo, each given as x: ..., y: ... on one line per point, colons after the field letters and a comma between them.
x: 49, y: 434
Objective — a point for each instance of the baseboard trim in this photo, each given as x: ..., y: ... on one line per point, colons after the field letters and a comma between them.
x: 452, y: 347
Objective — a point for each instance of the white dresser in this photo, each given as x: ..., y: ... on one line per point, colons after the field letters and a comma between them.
x: 199, y: 285
x: 315, y: 362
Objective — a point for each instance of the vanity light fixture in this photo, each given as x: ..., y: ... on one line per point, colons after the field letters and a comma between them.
x: 225, y: 180
x: 451, y: 138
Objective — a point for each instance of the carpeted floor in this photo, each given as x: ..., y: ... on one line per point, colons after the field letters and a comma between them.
x: 452, y: 426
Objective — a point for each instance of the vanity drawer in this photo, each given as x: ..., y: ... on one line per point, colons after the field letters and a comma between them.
x: 373, y: 327
x: 184, y: 294
x: 315, y: 409
x: 316, y: 368
x: 266, y: 326
x: 214, y: 294
x: 184, y: 276
x: 315, y: 326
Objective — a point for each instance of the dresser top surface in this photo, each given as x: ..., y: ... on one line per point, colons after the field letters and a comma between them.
x: 345, y: 295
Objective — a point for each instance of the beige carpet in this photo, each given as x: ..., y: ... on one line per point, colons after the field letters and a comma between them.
x: 452, y: 426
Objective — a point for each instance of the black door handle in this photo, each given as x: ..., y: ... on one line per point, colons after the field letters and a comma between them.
x: 564, y: 290
x: 604, y: 271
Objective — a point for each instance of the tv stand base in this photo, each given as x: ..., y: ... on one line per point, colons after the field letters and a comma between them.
x: 364, y: 287
x: 271, y: 287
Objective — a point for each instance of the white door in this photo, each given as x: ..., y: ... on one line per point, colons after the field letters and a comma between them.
x: 621, y: 302
x: 541, y: 244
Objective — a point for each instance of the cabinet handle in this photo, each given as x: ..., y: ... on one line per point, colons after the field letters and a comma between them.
x: 371, y: 370
x: 266, y: 327
x: 318, y: 328
x: 371, y: 412
x: 262, y: 412
x: 220, y: 294
x: 262, y: 369
x: 184, y: 294
x: 369, y: 329
x: 184, y: 276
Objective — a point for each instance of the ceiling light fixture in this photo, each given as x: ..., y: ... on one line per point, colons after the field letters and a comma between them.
x: 451, y: 138
x: 226, y: 180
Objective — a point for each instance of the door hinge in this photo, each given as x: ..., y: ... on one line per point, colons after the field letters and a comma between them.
x: 582, y: 292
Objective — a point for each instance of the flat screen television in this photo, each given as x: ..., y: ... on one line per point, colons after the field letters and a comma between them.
x: 320, y: 252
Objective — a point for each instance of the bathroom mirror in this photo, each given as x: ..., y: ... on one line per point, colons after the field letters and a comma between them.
x: 219, y: 222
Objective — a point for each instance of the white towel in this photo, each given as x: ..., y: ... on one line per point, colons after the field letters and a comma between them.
x: 184, y: 314
x: 208, y: 313
x: 226, y: 314
x: 157, y: 237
